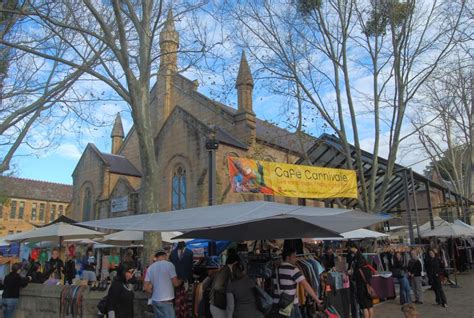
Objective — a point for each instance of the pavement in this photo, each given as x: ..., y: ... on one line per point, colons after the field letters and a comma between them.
x: 460, y: 301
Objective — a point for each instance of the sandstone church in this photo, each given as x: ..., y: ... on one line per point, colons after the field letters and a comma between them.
x: 107, y: 184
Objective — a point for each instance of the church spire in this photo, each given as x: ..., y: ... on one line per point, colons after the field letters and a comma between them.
x: 169, y: 43
x: 117, y: 134
x: 244, y: 77
x: 245, y: 121
x: 244, y: 85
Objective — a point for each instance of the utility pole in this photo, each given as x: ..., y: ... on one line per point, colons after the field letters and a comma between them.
x: 211, y: 145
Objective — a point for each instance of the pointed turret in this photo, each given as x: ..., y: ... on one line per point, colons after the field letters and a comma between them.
x: 244, y: 85
x: 169, y: 43
x: 244, y: 77
x: 117, y: 134
x: 245, y: 117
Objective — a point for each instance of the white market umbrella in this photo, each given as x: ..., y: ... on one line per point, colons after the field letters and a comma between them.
x: 55, y: 232
x: 81, y: 241
x: 128, y: 237
x: 358, y: 234
x: 4, y: 242
x: 449, y: 230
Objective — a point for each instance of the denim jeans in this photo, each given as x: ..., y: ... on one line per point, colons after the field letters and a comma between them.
x: 163, y: 309
x: 9, y: 306
x: 405, y: 296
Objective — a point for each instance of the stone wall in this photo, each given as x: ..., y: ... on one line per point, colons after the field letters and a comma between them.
x: 41, y: 301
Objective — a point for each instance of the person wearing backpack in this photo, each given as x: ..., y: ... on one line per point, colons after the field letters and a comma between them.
x: 120, y: 296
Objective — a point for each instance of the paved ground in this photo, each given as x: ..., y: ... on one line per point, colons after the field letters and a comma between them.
x: 460, y: 302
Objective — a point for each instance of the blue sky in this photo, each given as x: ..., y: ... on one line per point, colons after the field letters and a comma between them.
x: 57, y: 163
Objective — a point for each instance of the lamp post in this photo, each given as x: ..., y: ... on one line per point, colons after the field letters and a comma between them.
x: 211, y: 145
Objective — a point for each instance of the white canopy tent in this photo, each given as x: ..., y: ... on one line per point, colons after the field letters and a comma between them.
x: 129, y: 237
x: 461, y: 223
x: 246, y: 221
x: 358, y: 234
x: 449, y: 230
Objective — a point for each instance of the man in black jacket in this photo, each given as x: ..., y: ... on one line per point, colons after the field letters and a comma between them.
x: 13, y: 282
x: 414, y: 273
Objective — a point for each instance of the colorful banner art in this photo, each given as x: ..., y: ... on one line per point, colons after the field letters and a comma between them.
x: 273, y: 178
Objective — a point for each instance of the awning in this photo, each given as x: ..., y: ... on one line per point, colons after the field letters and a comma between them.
x: 326, y: 221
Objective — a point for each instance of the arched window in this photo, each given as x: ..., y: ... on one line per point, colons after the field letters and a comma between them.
x: 178, y: 191
x: 87, y: 204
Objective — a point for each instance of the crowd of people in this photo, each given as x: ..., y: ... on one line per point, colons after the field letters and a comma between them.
x: 230, y: 291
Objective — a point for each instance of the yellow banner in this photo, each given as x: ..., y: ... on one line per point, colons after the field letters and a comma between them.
x: 273, y: 178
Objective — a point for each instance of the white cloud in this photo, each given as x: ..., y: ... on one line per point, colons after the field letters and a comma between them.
x: 69, y: 151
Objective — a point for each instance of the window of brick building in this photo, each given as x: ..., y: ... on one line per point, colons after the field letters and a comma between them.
x: 21, y: 210
x: 178, y: 191
x: 61, y: 210
x: 13, y: 209
x: 41, y: 211
x: 52, y: 213
x: 34, y: 210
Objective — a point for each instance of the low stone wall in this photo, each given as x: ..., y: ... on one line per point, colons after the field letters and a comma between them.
x: 41, y: 301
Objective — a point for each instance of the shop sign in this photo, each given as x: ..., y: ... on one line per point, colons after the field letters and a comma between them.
x: 273, y: 178
x: 119, y: 204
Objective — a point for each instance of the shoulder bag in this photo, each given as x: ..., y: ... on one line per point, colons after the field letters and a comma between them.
x: 285, y: 305
x: 370, y: 289
x: 264, y: 300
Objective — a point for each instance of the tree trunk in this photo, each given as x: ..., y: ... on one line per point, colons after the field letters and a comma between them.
x: 149, y: 191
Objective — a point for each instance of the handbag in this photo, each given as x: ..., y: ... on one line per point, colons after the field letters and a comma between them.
x: 285, y: 305
x: 370, y: 290
x: 103, y: 305
x: 264, y: 300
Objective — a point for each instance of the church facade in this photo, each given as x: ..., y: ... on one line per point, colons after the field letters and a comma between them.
x: 108, y: 184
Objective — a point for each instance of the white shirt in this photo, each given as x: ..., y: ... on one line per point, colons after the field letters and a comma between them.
x: 159, y: 274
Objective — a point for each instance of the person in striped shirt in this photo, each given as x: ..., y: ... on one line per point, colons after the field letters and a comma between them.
x: 288, y: 277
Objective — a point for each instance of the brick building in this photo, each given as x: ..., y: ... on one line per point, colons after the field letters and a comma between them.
x: 31, y: 202
x: 107, y: 184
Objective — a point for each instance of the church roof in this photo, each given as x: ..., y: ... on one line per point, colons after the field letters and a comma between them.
x: 13, y: 187
x: 121, y: 165
x: 225, y: 137
x: 116, y: 163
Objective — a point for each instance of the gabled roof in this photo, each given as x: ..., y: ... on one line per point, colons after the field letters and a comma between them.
x: 222, y: 135
x: 116, y: 163
x: 121, y: 165
x: 35, y: 189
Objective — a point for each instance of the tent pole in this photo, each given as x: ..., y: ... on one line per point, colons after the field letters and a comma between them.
x: 430, y: 205
x: 454, y: 264
x: 407, y: 202
x: 415, y: 205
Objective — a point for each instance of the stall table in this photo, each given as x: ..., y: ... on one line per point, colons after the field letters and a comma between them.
x: 384, y: 286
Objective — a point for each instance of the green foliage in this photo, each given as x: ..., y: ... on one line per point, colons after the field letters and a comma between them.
x: 387, y: 13
x: 305, y: 7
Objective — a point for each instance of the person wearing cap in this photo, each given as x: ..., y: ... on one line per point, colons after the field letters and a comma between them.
x: 120, y: 296
x: 160, y: 281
